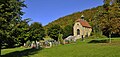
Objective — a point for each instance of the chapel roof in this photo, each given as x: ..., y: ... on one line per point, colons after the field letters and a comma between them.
x: 84, y: 23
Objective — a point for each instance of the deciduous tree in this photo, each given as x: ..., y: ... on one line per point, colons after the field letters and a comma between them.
x: 54, y: 31
x: 36, y: 31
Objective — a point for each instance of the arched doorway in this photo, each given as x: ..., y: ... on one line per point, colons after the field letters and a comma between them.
x: 78, y: 32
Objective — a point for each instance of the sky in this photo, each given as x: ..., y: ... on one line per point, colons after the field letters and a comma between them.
x: 46, y: 11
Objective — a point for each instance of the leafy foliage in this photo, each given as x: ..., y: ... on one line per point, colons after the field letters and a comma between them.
x: 14, y: 30
x: 36, y: 31
x: 54, y: 31
x: 68, y: 29
x: 10, y: 18
x: 67, y: 22
x: 104, y: 19
x: 24, y: 31
x: 110, y: 19
x: 60, y: 39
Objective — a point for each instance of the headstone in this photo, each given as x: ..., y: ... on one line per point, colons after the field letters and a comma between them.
x: 50, y: 44
x: 24, y: 44
x: 37, y: 45
x: 33, y: 45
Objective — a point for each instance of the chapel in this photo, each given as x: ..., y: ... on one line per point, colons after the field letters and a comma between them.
x: 81, y: 28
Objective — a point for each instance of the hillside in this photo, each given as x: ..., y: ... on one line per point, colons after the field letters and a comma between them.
x: 103, y: 20
x: 70, y: 19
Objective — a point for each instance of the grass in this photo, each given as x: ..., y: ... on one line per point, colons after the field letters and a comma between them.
x: 18, y: 52
x: 10, y: 50
x: 79, y: 49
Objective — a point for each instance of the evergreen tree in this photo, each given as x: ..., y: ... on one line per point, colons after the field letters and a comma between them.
x: 10, y: 17
x: 24, y: 31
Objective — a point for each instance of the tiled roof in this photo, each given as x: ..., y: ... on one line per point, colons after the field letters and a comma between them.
x: 84, y: 23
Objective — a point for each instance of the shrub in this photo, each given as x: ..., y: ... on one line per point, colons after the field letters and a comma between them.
x: 60, y: 38
x: 28, y: 43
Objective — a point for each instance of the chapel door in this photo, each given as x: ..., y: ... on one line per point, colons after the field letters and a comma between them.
x: 78, y: 32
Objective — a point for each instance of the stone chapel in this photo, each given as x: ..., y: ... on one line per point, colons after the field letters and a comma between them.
x: 81, y: 28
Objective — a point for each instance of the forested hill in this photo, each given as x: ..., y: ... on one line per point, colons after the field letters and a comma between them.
x: 103, y: 19
x: 70, y: 19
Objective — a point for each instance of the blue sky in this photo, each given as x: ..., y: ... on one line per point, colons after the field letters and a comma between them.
x: 45, y: 11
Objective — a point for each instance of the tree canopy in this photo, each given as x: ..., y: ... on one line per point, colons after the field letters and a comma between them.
x: 10, y: 19
x: 13, y: 29
x: 54, y: 31
x: 36, y: 31
x: 110, y: 19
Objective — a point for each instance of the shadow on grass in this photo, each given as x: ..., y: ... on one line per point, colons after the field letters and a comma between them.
x: 99, y: 41
x: 26, y: 53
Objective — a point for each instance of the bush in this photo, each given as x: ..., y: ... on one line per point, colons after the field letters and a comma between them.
x: 60, y: 38
x: 28, y: 43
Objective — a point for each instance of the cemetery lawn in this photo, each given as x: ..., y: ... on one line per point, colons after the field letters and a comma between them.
x: 84, y: 48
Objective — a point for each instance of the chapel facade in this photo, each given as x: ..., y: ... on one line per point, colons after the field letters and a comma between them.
x: 81, y: 28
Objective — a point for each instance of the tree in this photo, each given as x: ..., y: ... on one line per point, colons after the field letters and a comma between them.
x: 60, y: 39
x: 10, y: 17
x: 24, y: 31
x: 54, y: 31
x: 37, y: 32
x: 110, y: 20
x: 68, y: 30
x: 111, y: 17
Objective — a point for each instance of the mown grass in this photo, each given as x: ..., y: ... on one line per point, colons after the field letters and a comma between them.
x: 10, y: 50
x: 79, y: 49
